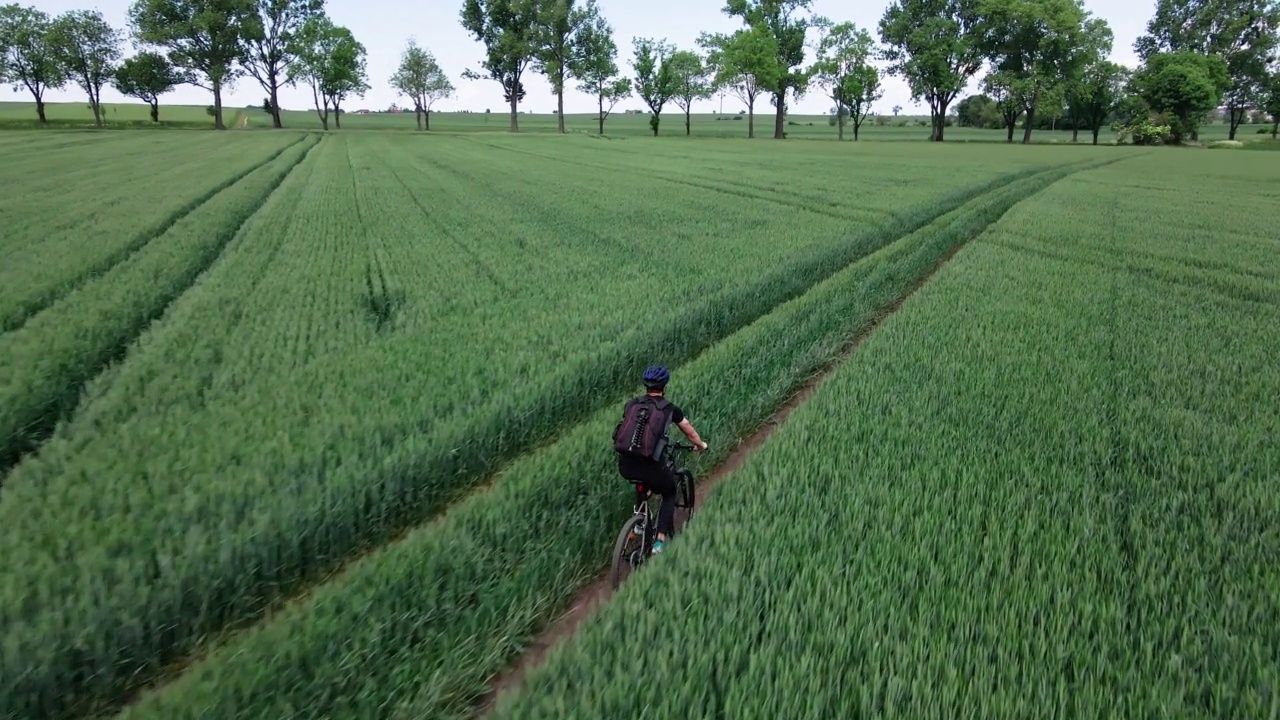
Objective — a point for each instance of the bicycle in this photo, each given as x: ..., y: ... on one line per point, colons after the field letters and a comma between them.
x: 635, y: 541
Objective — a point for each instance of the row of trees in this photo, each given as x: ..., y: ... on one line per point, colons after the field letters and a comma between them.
x: 566, y: 40
x: 1197, y: 56
x: 206, y: 43
x: 1038, y: 55
x: 1041, y: 57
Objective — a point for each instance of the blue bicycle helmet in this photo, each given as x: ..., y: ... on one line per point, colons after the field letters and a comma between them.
x: 656, y: 377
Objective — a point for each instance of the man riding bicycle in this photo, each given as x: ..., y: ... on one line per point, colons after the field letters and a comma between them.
x: 640, y: 440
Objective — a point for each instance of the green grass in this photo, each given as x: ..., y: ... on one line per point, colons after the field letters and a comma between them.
x: 403, y: 316
x: 75, y: 206
x: 1045, y: 486
x: 45, y: 362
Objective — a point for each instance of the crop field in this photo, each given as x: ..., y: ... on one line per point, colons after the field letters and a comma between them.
x: 314, y: 425
x: 1047, y: 486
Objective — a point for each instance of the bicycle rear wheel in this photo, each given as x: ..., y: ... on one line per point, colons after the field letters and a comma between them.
x: 629, y: 552
x: 684, y: 498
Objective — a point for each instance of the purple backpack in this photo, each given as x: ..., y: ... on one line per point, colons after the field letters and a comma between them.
x: 643, y: 430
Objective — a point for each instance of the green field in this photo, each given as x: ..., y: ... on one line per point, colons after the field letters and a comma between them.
x: 374, y: 374
x: 135, y: 115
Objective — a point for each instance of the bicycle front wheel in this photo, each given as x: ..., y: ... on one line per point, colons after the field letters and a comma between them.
x: 684, y: 498
x: 629, y: 552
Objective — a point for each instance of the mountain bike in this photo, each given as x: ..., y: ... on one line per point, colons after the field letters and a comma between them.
x: 635, y: 542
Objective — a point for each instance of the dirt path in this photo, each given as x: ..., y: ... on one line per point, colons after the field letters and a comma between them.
x: 598, y: 592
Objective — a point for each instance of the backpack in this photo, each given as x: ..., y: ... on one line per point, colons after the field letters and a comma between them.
x: 643, y: 429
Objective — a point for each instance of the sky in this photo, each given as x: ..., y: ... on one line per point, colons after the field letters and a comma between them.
x: 384, y: 26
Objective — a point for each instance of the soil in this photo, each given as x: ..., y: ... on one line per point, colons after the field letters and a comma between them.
x: 595, y: 594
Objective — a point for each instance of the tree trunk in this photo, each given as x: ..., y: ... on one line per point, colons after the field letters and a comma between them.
x: 40, y: 110
x: 1011, y: 124
x: 560, y: 104
x: 687, y: 123
x: 217, y: 106
x: 337, y: 117
x: 1075, y: 133
x: 417, y: 118
x: 939, y: 119
x: 839, y: 127
x: 600, y: 111
x: 1275, y: 129
x: 427, y: 117
x: 155, y: 111
x: 275, y: 103
x: 95, y: 101
x: 515, y: 101
x: 751, y: 118
x: 1095, y: 134
x: 856, y: 126
x: 779, y: 121
x: 1236, y: 120
x: 1027, y: 125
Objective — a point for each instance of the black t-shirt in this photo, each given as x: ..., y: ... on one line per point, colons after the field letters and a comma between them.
x: 677, y: 415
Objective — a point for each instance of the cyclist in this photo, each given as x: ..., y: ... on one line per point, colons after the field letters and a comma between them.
x: 639, y: 445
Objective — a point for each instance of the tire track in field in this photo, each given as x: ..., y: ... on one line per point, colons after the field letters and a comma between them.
x: 138, y: 242
x: 44, y: 413
x: 770, y: 196
x: 598, y: 591
x: 477, y: 261
x: 1213, y: 284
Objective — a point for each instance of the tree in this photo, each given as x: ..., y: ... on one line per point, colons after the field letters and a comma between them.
x: 87, y: 48
x: 979, y: 111
x: 332, y: 62
x: 897, y: 109
x: 28, y: 55
x: 1087, y: 73
x: 655, y: 83
x: 1271, y: 102
x: 205, y: 39
x: 1096, y: 96
x: 420, y: 77
x: 1032, y: 45
x: 1184, y: 86
x: 1008, y: 103
x: 745, y: 63
x: 147, y: 76
x: 843, y: 67
x: 271, y: 44
x: 936, y: 46
x: 778, y: 19
x: 594, y: 64
x: 691, y: 80
x: 509, y: 30
x: 1242, y: 32
x: 561, y: 23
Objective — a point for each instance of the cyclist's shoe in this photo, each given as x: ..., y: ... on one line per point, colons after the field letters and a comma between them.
x: 657, y: 546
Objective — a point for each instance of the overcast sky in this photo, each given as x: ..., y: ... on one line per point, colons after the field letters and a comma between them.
x: 383, y: 26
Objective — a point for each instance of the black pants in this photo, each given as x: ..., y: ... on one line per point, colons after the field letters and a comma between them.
x: 659, y: 479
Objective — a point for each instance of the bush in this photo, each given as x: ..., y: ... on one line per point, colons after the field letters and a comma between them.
x: 1142, y: 132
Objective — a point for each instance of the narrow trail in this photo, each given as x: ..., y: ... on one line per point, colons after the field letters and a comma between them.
x: 598, y: 592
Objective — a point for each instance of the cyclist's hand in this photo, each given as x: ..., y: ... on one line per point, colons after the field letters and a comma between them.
x: 702, y: 447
